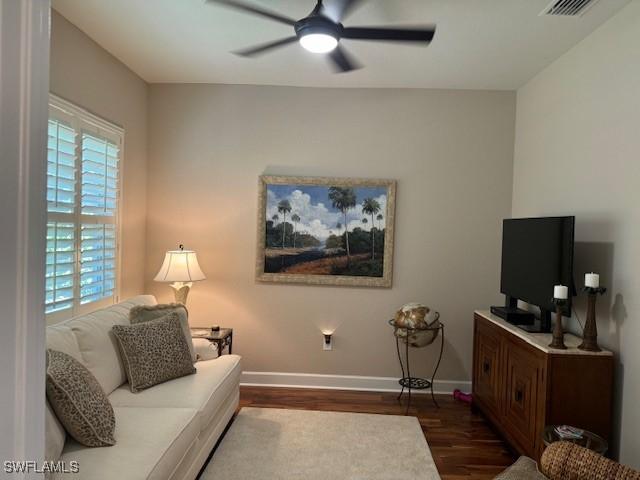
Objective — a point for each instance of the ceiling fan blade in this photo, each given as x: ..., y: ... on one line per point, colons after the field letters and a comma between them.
x: 422, y: 35
x: 255, y: 10
x: 342, y: 61
x: 258, y: 49
x: 337, y: 10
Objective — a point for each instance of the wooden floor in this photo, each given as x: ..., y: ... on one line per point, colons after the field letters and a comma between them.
x: 462, y: 443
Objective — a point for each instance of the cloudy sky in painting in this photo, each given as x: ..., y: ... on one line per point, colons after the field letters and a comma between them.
x: 317, y: 216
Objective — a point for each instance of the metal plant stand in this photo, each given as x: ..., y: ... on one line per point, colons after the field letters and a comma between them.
x: 416, y: 383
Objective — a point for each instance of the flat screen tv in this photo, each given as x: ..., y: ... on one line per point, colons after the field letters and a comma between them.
x: 537, y: 253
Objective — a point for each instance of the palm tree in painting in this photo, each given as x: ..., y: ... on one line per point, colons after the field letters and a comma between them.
x: 338, y: 228
x: 284, y: 207
x: 343, y: 199
x: 275, y: 219
x: 370, y: 206
x: 295, y: 218
x: 379, y: 218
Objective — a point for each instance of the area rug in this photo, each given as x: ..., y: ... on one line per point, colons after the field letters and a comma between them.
x: 274, y: 444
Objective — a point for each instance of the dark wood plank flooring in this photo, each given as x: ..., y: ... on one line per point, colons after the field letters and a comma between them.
x: 462, y: 443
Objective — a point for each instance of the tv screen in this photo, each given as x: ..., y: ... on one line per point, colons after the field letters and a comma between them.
x: 537, y: 253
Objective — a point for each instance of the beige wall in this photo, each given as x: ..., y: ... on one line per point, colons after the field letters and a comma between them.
x: 577, y: 147
x: 451, y: 152
x: 85, y: 74
x: 576, y: 152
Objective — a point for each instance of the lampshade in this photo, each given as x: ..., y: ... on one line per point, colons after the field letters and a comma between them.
x: 180, y: 266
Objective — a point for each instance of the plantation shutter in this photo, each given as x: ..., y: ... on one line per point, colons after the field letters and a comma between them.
x: 84, y: 158
x: 99, y: 176
x: 61, y: 207
x: 99, y: 200
x: 59, y: 282
x: 61, y: 167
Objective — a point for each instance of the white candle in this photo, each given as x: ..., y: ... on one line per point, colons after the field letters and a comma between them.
x: 560, y: 292
x: 592, y: 280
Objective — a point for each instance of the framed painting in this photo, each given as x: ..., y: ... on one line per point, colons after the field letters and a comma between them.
x: 325, y: 231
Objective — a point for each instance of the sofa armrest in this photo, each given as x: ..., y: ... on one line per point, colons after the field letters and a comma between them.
x: 568, y: 461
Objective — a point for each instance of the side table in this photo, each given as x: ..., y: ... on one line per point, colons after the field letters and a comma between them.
x: 221, y: 338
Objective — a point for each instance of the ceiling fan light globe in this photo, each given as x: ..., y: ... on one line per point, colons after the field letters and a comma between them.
x: 318, y: 42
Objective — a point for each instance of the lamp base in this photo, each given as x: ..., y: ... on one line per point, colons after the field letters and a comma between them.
x: 181, y: 291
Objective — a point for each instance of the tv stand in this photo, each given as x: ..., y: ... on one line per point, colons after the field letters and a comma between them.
x: 521, y: 384
x: 541, y: 325
x: 523, y: 318
x: 514, y: 315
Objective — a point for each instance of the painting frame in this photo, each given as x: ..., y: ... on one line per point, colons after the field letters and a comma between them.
x: 384, y: 281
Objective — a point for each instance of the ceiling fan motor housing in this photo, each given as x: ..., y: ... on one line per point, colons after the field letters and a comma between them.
x: 321, y: 31
x: 318, y: 24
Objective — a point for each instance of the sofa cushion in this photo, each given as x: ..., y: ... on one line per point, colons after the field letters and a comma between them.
x: 154, y: 352
x: 144, y: 313
x: 54, y: 437
x: 97, y: 344
x: 60, y: 337
x: 207, y: 438
x: 78, y: 400
x: 151, y: 442
x: 205, y: 391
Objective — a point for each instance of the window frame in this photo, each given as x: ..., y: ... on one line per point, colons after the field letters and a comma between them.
x: 82, y: 121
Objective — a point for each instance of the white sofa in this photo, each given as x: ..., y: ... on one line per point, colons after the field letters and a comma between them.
x: 164, y: 432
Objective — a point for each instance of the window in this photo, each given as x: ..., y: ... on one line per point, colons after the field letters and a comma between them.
x: 83, y: 176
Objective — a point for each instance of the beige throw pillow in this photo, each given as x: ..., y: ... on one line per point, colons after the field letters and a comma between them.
x: 154, y: 352
x: 79, y: 401
x: 205, y: 350
x: 144, y: 313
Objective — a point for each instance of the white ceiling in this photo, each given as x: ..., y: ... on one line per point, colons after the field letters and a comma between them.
x: 479, y: 44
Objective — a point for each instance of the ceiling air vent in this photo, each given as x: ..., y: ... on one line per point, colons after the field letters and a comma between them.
x: 569, y: 8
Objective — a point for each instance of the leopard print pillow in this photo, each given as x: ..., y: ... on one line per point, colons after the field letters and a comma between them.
x: 144, y: 313
x: 79, y: 401
x: 154, y: 352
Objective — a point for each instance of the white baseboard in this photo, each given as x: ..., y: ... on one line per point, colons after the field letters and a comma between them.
x: 341, y: 382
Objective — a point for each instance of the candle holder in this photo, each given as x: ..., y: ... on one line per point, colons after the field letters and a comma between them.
x: 590, y: 334
x: 557, y: 338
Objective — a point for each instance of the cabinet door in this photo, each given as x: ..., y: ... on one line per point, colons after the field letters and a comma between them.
x: 523, y: 402
x: 486, y: 381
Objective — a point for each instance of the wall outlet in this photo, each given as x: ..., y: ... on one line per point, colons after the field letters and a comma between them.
x: 327, y: 345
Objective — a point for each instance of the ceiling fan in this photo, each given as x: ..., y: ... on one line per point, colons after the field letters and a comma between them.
x: 322, y: 30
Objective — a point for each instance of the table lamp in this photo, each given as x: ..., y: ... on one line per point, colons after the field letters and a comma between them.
x: 180, y: 267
